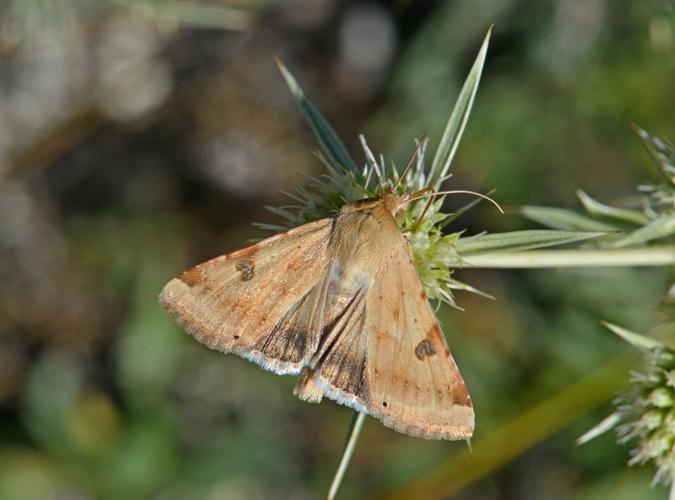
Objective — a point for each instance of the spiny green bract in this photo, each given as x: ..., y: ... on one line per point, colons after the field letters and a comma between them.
x: 647, y: 413
x: 434, y: 252
x: 661, y: 197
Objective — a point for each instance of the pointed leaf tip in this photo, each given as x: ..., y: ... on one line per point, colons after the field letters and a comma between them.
x: 521, y: 240
x: 563, y: 219
x: 458, y: 118
x: 635, y: 339
x: 594, y: 207
x: 281, y: 66
x: 330, y: 142
x: 602, y: 427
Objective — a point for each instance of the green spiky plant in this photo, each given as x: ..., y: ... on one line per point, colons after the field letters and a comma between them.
x: 438, y: 253
x: 646, y: 412
x: 650, y: 217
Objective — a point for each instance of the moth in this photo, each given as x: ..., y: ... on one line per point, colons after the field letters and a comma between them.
x: 339, y: 303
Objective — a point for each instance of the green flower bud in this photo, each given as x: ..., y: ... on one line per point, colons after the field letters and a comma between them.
x: 661, y: 397
x: 657, y: 445
x: 651, y: 420
x: 670, y: 378
x: 669, y: 422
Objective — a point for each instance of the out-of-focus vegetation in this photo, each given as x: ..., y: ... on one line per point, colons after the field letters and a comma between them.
x: 139, y: 138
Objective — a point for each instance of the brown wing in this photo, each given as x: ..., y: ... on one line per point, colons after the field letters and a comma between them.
x: 338, y: 365
x: 258, y: 302
x: 380, y: 350
x: 414, y: 384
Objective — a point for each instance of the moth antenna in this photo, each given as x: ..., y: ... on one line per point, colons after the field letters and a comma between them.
x: 428, y: 191
x: 425, y: 192
x: 426, y: 207
x: 410, y: 161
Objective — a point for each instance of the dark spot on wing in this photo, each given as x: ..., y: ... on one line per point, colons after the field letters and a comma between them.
x: 246, y: 268
x: 424, y: 348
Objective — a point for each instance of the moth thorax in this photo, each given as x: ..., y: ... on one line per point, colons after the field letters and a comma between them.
x: 392, y: 202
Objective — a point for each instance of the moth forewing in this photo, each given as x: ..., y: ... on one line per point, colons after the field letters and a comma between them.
x: 415, y: 385
x: 257, y: 302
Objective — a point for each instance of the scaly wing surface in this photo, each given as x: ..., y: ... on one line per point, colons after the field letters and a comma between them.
x: 259, y: 302
x: 414, y: 384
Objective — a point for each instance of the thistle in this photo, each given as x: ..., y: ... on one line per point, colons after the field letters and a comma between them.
x: 646, y: 412
x: 437, y: 252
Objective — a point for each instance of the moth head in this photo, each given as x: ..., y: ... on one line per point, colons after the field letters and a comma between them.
x: 393, y: 202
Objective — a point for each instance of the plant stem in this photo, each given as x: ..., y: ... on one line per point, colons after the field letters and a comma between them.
x: 649, y: 256
x: 351, y: 438
x: 671, y: 496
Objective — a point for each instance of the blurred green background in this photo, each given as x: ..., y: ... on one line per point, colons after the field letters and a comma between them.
x: 138, y: 138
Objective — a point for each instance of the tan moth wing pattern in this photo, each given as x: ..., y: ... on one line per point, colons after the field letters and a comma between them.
x: 362, y: 238
x: 337, y: 367
x: 380, y: 349
x: 415, y: 385
x: 258, y: 302
x: 340, y: 301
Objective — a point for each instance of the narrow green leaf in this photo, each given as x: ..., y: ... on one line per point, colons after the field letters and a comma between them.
x: 460, y: 285
x: 331, y: 144
x: 594, y: 207
x: 563, y: 219
x: 635, y: 339
x: 540, y: 259
x: 460, y: 114
x: 662, y: 227
x: 520, y: 240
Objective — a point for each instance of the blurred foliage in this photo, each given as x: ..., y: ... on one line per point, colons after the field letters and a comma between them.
x: 134, y: 143
x: 650, y: 219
